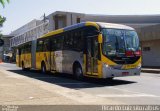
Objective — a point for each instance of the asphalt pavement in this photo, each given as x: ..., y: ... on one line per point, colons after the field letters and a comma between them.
x: 32, y: 87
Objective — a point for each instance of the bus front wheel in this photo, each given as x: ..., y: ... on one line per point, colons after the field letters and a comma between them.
x: 78, y: 73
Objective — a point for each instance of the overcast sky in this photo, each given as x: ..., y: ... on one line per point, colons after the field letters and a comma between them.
x: 20, y: 12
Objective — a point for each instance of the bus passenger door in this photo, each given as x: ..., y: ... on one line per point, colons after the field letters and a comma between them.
x: 92, y: 56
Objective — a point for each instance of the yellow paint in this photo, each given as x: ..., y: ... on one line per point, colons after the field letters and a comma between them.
x: 95, y: 74
x: 131, y: 66
x: 53, y: 62
x: 17, y: 60
x: 84, y: 64
x: 107, y: 61
x: 99, y: 69
x: 43, y: 56
x: 89, y: 73
x: 38, y: 60
x: 100, y: 38
x: 92, y: 24
x: 26, y: 59
x: 53, y: 33
x: 100, y: 64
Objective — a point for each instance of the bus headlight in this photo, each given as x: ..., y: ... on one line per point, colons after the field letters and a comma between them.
x: 139, y: 65
x: 107, y: 66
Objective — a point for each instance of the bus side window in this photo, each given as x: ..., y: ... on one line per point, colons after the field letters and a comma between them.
x: 46, y: 45
x: 18, y: 51
x: 23, y: 49
x: 29, y: 49
x: 26, y: 48
x: 68, y: 40
x: 57, y: 43
x: 53, y: 44
x: 39, y: 46
x: 78, y: 41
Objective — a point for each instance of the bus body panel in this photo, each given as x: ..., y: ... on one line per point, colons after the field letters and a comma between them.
x: 62, y: 61
x: 43, y: 57
x: 18, y: 60
x: 69, y: 57
x: 121, y: 70
x: 110, y: 72
x: 26, y: 59
x: 53, y: 62
x: 58, y: 61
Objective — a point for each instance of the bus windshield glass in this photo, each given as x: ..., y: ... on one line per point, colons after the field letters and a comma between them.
x: 116, y: 42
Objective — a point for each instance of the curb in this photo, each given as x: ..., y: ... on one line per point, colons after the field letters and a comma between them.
x: 155, y: 71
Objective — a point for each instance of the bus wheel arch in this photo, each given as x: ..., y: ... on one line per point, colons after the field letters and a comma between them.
x: 77, y: 70
x: 43, y: 67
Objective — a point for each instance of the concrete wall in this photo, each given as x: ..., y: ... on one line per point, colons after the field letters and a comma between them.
x: 149, y: 33
x: 68, y: 18
x: 151, y: 57
x: 25, y: 27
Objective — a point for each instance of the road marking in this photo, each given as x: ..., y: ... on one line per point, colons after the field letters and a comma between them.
x: 128, y: 90
x: 127, y: 95
x: 136, y: 94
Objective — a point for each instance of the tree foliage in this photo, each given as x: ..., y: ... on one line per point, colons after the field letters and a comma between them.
x: 3, y: 2
x: 3, y: 19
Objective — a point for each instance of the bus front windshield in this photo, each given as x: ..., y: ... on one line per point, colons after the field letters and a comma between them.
x: 117, y: 41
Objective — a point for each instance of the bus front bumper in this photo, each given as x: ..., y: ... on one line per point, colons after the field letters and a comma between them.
x: 109, y: 72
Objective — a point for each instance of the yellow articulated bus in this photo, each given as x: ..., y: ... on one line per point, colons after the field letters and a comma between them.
x: 93, y: 49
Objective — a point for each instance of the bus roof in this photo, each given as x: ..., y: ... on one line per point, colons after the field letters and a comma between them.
x: 114, y: 26
x: 82, y: 24
x: 75, y: 26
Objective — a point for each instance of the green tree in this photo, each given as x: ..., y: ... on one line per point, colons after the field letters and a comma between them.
x: 2, y: 19
x: 3, y: 2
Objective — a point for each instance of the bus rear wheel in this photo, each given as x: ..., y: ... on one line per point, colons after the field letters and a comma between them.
x: 43, y: 68
x: 78, y: 73
x: 23, y: 67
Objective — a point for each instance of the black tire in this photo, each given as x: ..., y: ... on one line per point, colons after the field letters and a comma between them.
x: 23, y: 67
x: 43, y: 68
x: 78, y: 73
x: 109, y: 79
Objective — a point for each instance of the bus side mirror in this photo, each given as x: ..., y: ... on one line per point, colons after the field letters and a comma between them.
x: 100, y: 39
